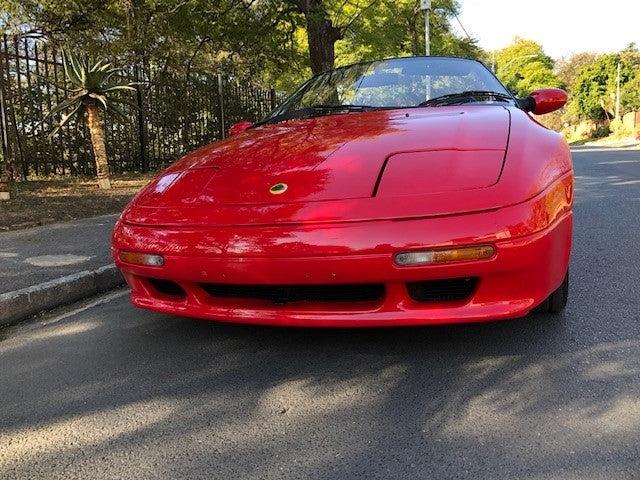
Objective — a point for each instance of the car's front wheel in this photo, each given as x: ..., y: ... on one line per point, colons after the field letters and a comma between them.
x: 557, y: 301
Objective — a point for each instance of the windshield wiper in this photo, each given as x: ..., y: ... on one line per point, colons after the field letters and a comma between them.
x: 348, y: 107
x: 453, y: 98
x: 315, y: 110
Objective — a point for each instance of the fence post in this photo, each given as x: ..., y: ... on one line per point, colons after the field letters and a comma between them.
x: 3, y: 127
x: 223, y: 132
x: 23, y: 163
x: 142, y: 140
x: 3, y: 114
x: 272, y: 98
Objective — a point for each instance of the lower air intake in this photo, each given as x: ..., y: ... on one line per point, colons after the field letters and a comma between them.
x: 281, y: 294
x: 448, y: 290
x: 167, y: 287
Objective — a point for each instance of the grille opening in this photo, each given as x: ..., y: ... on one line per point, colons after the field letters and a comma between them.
x: 167, y: 287
x: 283, y: 294
x: 448, y: 290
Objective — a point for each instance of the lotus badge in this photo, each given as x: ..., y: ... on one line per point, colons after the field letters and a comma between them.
x: 278, y: 188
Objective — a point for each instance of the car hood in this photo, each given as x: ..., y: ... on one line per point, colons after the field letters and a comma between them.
x: 326, y: 160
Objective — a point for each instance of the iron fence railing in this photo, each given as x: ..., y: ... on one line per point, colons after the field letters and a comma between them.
x: 173, y: 115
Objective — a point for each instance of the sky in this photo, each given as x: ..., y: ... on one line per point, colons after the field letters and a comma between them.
x: 562, y: 27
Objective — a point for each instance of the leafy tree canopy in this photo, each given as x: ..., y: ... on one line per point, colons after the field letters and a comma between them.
x: 260, y: 39
x: 594, y: 88
x: 568, y: 68
x: 371, y: 29
x: 523, y: 67
x: 396, y: 28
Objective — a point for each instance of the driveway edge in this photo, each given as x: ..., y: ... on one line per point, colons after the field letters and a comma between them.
x: 20, y: 304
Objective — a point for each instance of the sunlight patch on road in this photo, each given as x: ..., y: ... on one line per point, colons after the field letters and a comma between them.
x: 618, y: 162
x: 46, y: 334
x: 69, y: 437
x: 511, y: 397
x: 612, y: 368
x: 579, y: 150
x: 627, y: 182
x: 304, y: 396
x: 23, y: 333
x: 64, y: 330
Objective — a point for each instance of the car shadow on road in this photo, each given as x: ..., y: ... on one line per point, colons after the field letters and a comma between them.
x: 326, y: 403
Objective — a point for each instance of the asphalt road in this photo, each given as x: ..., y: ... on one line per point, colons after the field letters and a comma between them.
x: 112, y: 392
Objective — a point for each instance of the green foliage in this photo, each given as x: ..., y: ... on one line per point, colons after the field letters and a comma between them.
x: 523, y: 67
x: 630, y: 93
x: 370, y: 30
x: 181, y: 38
x: 396, y: 28
x: 594, y: 89
x: 50, y: 18
x: 259, y: 39
x: 569, y: 68
x: 89, y: 84
x: 630, y: 84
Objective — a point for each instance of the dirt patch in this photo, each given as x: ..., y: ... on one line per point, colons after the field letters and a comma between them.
x: 42, y: 201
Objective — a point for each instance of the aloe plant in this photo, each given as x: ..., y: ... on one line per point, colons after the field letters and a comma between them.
x: 91, y: 88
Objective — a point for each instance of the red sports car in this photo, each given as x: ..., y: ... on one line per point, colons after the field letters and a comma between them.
x: 407, y: 191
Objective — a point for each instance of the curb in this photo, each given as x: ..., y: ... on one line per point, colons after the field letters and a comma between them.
x: 18, y: 305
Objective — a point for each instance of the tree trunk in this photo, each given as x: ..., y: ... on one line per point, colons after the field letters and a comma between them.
x: 415, y: 20
x: 96, y: 129
x: 414, y: 37
x: 321, y: 35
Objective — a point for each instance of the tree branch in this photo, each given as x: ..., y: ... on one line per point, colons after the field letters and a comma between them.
x: 201, y: 44
x: 345, y: 28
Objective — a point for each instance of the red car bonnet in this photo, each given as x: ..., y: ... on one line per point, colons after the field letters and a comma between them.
x: 358, y: 166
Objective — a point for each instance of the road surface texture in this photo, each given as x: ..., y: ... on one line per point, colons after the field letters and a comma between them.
x: 36, y: 255
x: 107, y: 391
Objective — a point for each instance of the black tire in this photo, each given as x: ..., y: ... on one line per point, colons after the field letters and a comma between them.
x: 557, y: 301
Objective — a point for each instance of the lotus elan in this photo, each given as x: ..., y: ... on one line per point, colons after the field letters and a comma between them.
x: 408, y: 191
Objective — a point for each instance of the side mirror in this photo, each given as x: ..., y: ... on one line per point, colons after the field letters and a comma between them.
x: 545, y: 100
x: 239, y: 127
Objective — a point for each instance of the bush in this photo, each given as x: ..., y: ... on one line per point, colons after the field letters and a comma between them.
x: 620, y: 130
x: 601, y: 131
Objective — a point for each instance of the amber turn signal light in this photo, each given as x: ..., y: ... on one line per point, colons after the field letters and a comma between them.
x: 145, y: 259
x: 434, y: 257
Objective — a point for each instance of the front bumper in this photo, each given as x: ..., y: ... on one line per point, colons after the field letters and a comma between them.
x: 524, y: 271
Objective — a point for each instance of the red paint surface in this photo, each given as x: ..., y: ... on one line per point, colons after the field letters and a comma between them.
x: 549, y: 100
x: 239, y: 127
x: 443, y: 176
x: 439, y: 171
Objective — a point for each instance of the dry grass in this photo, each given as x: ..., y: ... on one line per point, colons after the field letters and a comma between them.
x: 48, y: 200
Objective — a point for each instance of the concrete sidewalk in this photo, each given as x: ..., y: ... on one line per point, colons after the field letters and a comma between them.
x: 48, y: 266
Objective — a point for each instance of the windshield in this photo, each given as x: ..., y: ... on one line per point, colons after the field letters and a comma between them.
x: 395, y: 83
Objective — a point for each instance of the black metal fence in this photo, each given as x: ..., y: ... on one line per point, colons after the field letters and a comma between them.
x: 173, y: 115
